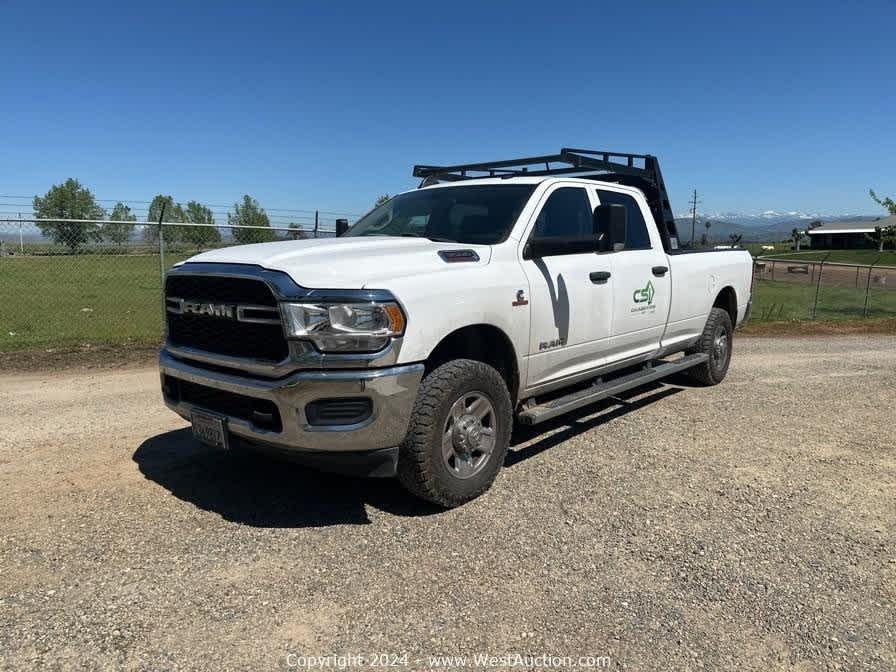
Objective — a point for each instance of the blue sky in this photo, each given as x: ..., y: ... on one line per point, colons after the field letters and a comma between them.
x: 326, y: 105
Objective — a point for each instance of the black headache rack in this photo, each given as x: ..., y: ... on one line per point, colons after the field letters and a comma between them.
x: 633, y: 170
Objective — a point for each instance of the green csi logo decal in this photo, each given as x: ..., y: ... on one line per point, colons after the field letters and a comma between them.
x: 645, y: 294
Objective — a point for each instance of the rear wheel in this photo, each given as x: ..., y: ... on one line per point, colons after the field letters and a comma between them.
x: 716, y: 341
x: 458, y: 435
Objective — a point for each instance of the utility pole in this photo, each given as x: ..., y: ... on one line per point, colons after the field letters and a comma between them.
x: 694, y: 203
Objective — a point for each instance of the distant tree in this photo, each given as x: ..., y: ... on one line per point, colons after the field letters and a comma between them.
x: 796, y: 236
x: 68, y: 200
x: 173, y: 212
x: 886, y: 234
x: 115, y: 231
x: 705, y: 239
x: 296, y: 232
x: 735, y: 239
x: 887, y: 202
x: 382, y: 199
x: 814, y: 224
x: 200, y: 236
x: 882, y: 236
x: 249, y: 213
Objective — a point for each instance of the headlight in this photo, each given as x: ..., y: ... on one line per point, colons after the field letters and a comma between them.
x: 344, y: 327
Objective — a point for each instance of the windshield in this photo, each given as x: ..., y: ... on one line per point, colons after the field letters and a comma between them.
x: 481, y: 214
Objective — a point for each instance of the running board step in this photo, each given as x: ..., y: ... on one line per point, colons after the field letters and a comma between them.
x: 651, y: 372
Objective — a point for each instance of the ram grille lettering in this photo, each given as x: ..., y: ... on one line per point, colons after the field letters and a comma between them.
x: 227, y: 311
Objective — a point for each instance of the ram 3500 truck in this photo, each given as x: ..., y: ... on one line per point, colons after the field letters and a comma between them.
x: 410, y: 344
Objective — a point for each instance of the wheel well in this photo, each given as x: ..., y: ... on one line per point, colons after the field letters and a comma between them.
x: 484, y: 343
x: 727, y: 300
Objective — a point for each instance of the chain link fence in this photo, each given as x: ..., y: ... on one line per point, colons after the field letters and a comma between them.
x: 66, y: 283
x: 794, y: 289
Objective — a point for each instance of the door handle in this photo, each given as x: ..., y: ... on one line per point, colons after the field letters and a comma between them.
x: 599, y: 277
x: 660, y: 271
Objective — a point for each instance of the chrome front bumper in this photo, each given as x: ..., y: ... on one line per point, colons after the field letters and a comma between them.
x: 392, y: 391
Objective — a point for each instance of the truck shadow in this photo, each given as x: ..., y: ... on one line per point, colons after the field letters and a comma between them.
x: 254, y: 489
x: 528, y: 441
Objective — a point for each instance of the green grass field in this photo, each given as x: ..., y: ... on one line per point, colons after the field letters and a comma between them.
x: 70, y: 300
x: 864, y: 257
x: 776, y: 300
x: 65, y: 301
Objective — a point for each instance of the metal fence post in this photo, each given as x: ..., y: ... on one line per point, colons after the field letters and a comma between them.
x: 818, y: 284
x: 162, y: 261
x: 868, y: 286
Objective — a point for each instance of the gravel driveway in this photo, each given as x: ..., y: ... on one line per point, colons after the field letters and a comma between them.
x: 750, y: 526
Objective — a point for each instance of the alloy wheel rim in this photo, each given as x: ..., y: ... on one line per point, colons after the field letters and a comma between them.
x: 469, y: 435
x: 720, y: 348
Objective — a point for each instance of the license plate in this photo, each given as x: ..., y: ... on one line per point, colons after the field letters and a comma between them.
x: 210, y: 429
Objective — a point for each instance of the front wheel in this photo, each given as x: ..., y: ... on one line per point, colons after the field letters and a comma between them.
x: 459, y: 432
x: 716, y: 341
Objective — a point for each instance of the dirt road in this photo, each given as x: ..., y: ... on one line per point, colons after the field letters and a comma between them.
x: 749, y: 525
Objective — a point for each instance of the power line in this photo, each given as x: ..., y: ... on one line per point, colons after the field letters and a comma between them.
x: 310, y: 211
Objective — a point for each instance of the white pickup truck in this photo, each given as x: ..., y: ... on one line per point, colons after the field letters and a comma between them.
x: 408, y: 345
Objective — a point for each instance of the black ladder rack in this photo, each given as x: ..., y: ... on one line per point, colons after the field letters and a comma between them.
x: 635, y: 170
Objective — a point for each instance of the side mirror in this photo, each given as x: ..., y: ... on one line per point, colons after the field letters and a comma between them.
x: 555, y: 247
x: 610, y: 225
x: 341, y: 226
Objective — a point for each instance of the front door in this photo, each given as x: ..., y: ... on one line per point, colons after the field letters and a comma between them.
x: 570, y: 312
x: 641, y: 282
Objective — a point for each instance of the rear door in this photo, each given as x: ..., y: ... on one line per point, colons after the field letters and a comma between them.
x: 641, y: 280
x: 570, y: 312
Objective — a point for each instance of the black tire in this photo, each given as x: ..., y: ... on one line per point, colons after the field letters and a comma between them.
x: 716, y: 341
x: 423, y: 468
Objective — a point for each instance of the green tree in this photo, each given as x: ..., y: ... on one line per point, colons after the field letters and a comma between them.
x: 68, y: 200
x: 881, y: 236
x: 796, y: 236
x: 173, y: 210
x: 887, y: 202
x: 200, y: 236
x: 173, y: 213
x: 296, y: 232
x: 735, y: 239
x: 885, y: 234
x: 382, y: 199
x: 249, y: 213
x: 116, y: 231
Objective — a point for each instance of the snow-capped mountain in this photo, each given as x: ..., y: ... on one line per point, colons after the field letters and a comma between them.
x: 764, y: 226
x: 768, y: 217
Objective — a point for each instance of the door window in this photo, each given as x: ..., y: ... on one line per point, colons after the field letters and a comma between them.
x: 567, y: 212
x: 636, y: 235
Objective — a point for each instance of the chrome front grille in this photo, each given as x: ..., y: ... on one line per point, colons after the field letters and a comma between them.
x: 231, y: 316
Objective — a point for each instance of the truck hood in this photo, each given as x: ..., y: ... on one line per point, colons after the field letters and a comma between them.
x: 348, y: 263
